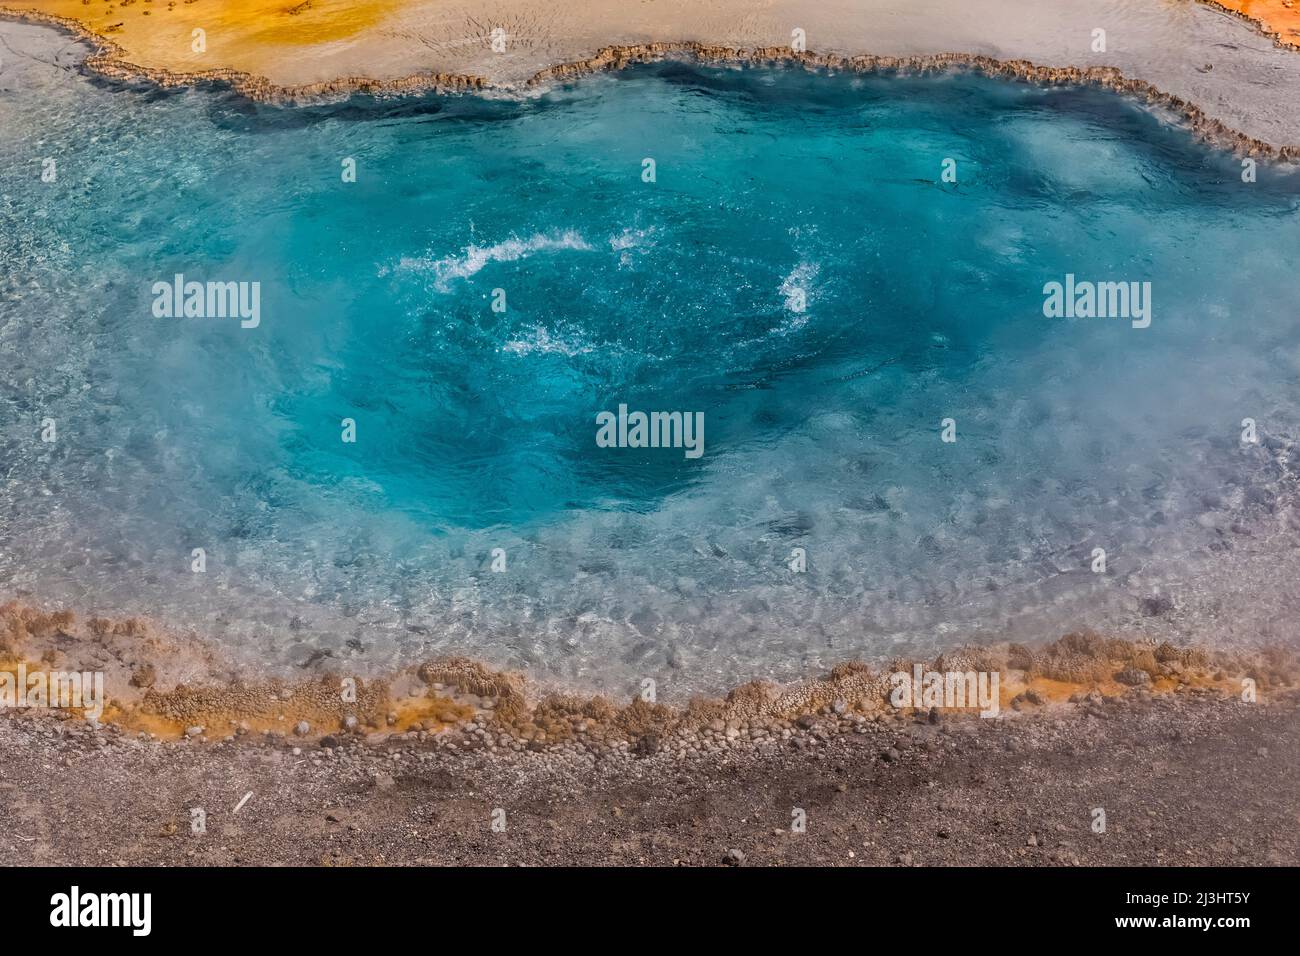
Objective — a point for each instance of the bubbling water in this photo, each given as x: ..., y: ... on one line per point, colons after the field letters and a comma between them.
x: 499, y: 273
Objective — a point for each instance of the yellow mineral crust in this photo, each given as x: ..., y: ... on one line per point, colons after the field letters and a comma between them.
x: 168, y: 686
x: 1281, y: 18
x: 243, y: 35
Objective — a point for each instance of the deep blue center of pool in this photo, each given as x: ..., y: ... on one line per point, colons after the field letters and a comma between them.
x: 798, y: 271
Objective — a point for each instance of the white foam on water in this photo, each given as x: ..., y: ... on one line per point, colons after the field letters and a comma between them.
x: 475, y: 258
x: 541, y: 340
x: 798, y: 291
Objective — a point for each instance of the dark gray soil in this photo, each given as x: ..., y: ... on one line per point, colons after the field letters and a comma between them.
x: 1190, y: 779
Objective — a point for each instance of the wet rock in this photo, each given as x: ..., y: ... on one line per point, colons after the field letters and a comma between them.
x: 1025, y: 698
x: 1157, y: 605
x: 1133, y: 677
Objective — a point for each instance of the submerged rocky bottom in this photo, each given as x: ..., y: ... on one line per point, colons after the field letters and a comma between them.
x: 826, y: 329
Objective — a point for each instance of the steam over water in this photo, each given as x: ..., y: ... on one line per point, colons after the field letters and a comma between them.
x: 797, y: 272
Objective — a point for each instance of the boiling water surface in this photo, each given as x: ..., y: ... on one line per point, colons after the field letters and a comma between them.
x: 797, y: 271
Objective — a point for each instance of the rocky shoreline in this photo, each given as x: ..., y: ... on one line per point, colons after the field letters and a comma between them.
x: 1182, y: 756
x: 165, y: 687
x: 1181, y: 779
x: 108, y: 59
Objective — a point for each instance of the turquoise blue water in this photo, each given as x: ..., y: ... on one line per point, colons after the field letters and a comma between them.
x: 475, y: 428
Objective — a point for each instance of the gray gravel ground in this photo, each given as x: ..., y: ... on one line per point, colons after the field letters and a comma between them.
x: 1190, y: 779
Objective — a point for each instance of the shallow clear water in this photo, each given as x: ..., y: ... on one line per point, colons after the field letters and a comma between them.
x: 476, y: 428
